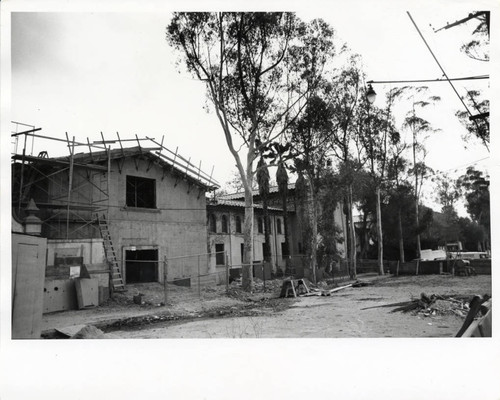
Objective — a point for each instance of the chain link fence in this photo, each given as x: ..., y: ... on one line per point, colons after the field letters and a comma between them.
x: 195, y: 276
x: 210, y: 275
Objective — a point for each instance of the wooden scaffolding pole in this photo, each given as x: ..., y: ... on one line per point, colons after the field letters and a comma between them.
x: 71, y: 148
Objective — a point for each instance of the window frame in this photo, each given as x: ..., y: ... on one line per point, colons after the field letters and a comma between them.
x: 219, y: 255
x: 134, y: 181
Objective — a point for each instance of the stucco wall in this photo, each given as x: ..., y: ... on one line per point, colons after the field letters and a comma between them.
x: 232, y: 240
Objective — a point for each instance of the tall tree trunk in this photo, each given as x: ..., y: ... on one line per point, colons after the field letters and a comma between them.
x: 416, y: 193
x: 267, y: 247
x: 282, y: 181
x: 353, y: 273
x: 401, y: 243
x: 285, y: 226
x: 419, y: 249
x: 267, y: 238
x: 379, y: 235
x: 347, y: 232
x: 313, y: 221
x: 247, y: 267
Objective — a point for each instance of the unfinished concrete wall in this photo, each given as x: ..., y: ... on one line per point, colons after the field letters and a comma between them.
x: 176, y: 226
x: 91, y: 250
x: 59, y: 289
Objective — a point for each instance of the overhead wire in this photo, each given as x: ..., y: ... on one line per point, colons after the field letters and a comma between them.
x: 442, y: 69
x: 466, y: 78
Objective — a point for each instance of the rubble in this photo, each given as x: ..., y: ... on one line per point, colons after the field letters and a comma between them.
x: 434, y: 305
x: 88, y: 332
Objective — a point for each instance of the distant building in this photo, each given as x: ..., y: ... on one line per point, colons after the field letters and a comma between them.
x: 225, y: 222
x: 225, y: 233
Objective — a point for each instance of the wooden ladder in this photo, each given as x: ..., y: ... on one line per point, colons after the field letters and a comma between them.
x: 116, y: 279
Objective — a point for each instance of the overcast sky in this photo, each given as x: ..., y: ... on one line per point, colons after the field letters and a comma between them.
x: 89, y: 72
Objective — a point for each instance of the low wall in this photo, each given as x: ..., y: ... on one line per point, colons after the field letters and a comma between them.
x: 367, y: 266
x: 482, y: 267
x: 59, y: 288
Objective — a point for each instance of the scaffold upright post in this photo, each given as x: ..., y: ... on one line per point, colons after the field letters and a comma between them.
x: 71, y: 148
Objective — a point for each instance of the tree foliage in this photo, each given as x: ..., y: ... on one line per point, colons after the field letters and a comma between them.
x: 447, y: 191
x: 258, y: 69
x: 479, y: 127
x: 477, y: 195
x: 477, y: 47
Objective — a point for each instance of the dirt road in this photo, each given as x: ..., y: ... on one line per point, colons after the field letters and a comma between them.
x: 351, y: 313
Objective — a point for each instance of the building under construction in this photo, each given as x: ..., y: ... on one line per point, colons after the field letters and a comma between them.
x: 127, y: 203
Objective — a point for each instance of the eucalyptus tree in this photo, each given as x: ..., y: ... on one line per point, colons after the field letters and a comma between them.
x: 419, y: 128
x: 475, y: 186
x: 399, y: 189
x: 478, y: 128
x: 378, y: 137
x: 345, y: 97
x: 310, y: 135
x: 253, y: 66
x: 477, y: 48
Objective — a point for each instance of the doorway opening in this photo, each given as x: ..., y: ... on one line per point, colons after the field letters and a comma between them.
x: 141, y: 266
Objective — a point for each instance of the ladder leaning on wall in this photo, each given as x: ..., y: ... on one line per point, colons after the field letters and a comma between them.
x: 116, y: 279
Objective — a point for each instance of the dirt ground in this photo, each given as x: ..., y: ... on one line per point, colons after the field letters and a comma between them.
x: 364, y: 312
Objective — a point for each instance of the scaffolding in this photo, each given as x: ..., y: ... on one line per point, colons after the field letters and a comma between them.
x: 71, y: 190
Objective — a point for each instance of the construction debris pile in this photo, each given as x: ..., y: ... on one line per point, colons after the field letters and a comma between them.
x: 435, y: 305
x: 302, y: 287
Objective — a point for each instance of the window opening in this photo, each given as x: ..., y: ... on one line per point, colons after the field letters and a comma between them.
x: 284, y: 250
x: 224, y: 224
x: 141, y: 192
x: 260, y: 225
x: 213, y: 223
x: 238, y: 224
x: 278, y: 225
x: 141, y: 266
x: 219, y: 254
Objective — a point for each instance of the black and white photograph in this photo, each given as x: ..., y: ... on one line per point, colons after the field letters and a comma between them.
x: 286, y: 199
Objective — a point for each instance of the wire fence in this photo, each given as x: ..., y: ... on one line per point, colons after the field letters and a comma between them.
x: 208, y: 275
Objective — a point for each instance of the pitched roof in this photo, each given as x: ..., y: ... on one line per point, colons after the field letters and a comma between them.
x: 238, y: 204
x: 185, y: 169
x: 241, y: 195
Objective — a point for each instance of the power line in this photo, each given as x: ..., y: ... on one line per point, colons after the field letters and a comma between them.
x: 442, y: 69
x: 467, y: 78
x: 459, y: 167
